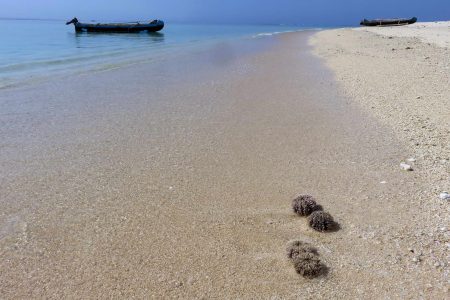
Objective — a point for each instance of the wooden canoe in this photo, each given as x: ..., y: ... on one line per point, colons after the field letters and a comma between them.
x: 388, y: 22
x: 152, y: 26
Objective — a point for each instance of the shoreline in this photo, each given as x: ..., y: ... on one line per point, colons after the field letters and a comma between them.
x: 82, y: 53
x: 125, y: 186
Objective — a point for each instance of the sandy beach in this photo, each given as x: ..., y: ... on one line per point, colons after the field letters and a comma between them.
x: 174, y: 179
x: 400, y: 75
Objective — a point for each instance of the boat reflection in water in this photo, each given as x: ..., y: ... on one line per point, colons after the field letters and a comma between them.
x: 148, y: 36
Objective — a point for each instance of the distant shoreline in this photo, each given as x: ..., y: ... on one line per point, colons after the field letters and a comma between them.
x: 31, y: 19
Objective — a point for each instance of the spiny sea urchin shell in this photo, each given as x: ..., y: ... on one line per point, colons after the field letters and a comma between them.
x: 308, y: 265
x: 321, y: 221
x: 304, y: 205
x: 294, y: 248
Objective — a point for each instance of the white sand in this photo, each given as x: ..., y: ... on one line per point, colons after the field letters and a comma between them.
x: 437, y: 33
x: 401, y: 75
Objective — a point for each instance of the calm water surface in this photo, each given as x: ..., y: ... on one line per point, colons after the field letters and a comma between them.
x: 35, y: 50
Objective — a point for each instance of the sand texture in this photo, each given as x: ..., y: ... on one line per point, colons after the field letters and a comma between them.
x: 174, y: 180
x: 437, y: 33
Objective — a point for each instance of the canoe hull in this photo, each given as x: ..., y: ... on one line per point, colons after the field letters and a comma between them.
x: 119, y: 28
x: 388, y: 22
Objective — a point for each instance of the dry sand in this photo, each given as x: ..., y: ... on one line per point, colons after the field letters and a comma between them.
x: 437, y: 33
x: 401, y: 75
x: 155, y: 181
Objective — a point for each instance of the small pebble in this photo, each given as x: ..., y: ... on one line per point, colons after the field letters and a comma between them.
x: 411, y: 159
x: 416, y: 259
x: 444, y: 196
x: 406, y: 167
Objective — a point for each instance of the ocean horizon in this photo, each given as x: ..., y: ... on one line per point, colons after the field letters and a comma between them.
x: 35, y: 50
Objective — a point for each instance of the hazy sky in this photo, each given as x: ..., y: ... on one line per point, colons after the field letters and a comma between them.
x: 298, y: 12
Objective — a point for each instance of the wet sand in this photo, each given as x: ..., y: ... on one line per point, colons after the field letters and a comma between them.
x: 175, y: 180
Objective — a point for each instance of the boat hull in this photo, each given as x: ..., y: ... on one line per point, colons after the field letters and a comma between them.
x: 119, y: 28
x: 388, y: 22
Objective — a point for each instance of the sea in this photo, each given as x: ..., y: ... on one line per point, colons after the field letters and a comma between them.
x: 36, y: 50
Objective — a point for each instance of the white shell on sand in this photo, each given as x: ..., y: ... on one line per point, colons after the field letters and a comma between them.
x: 411, y: 159
x: 444, y: 196
x: 406, y: 167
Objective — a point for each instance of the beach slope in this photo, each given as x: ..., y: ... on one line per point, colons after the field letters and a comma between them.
x: 174, y: 179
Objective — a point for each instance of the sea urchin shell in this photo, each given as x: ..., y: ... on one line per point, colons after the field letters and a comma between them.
x: 295, y: 248
x: 308, y: 265
x: 321, y: 221
x: 304, y: 205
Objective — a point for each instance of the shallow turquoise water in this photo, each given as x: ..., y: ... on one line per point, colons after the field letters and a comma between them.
x: 35, y: 49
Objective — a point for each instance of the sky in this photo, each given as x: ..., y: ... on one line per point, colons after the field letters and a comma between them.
x: 290, y: 12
